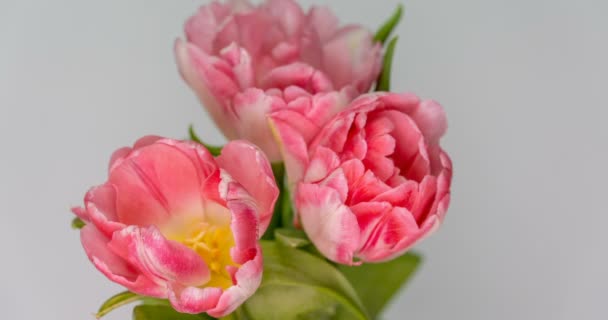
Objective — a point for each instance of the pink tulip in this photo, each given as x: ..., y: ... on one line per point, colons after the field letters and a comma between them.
x: 374, y: 180
x: 173, y: 222
x: 234, y: 51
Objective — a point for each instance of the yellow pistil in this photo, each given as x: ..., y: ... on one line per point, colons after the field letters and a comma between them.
x: 213, y: 244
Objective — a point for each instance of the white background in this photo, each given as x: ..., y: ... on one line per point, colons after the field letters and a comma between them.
x: 524, y: 83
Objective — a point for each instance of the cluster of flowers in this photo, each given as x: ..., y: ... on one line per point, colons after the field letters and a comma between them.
x: 365, y: 177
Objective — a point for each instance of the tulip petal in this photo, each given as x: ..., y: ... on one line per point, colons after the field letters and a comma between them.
x: 432, y: 121
x: 324, y: 22
x: 194, y: 300
x: 347, y: 64
x: 249, y: 166
x: 114, y: 267
x: 207, y: 76
x: 395, y: 227
x: 247, y: 280
x: 251, y: 108
x: 159, y: 258
x: 330, y: 224
x: 100, y: 204
x: 297, y: 74
x: 159, y: 181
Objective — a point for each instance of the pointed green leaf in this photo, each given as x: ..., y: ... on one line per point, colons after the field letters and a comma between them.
x: 214, y: 150
x: 298, y: 285
x: 116, y: 302
x: 384, y: 81
x: 291, y: 237
x: 387, y: 28
x: 77, y: 223
x: 376, y: 284
x: 149, y: 312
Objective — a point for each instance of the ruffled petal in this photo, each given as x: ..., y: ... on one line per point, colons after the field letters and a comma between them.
x: 251, y: 108
x: 247, y: 280
x: 250, y: 168
x: 331, y: 225
x: 114, y: 267
x: 212, y: 80
x: 100, y: 205
x: 156, y: 257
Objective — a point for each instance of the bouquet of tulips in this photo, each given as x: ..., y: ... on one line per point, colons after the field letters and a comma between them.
x: 308, y: 212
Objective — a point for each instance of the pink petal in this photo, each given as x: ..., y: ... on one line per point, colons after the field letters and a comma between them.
x: 369, y: 214
x: 114, y: 267
x: 335, y: 134
x: 251, y: 108
x: 158, y: 258
x: 248, y: 279
x: 208, y: 77
x: 245, y: 223
x: 432, y: 121
x: 367, y: 188
x: 248, y: 166
x: 100, y: 204
x: 410, y: 151
x: 357, y: 64
x: 156, y: 182
x: 323, y: 21
x: 408, y: 241
x: 403, y: 195
x: 426, y: 199
x: 396, y: 227
x: 353, y: 171
x: 331, y: 226
x: 292, y: 145
x: 297, y: 74
x: 202, y: 27
x: 81, y: 213
x: 322, y: 163
x: 288, y: 14
x: 194, y: 300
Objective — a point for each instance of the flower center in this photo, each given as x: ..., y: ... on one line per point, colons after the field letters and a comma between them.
x: 207, y: 232
x: 213, y: 244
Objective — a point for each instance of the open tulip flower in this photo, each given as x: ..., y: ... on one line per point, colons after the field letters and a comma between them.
x: 235, y: 51
x: 374, y: 180
x: 173, y: 222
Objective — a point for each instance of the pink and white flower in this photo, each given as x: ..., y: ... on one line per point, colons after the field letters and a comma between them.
x: 374, y: 180
x: 173, y: 222
x: 234, y: 51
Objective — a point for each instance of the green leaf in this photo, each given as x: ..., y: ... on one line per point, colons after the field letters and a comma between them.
x: 238, y: 314
x: 156, y: 312
x: 297, y: 285
x: 376, y: 284
x: 214, y: 150
x: 387, y: 28
x: 291, y: 237
x: 384, y: 80
x: 77, y: 223
x: 116, y: 302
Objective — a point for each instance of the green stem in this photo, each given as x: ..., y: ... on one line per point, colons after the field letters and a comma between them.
x: 279, y: 175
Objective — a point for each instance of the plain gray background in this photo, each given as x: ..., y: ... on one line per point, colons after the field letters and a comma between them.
x: 524, y: 84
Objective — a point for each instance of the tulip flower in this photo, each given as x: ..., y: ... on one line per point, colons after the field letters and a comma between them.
x: 374, y: 180
x: 235, y: 52
x: 173, y: 222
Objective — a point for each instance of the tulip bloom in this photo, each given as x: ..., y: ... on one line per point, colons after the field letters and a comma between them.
x: 235, y: 51
x: 173, y: 222
x: 374, y: 180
